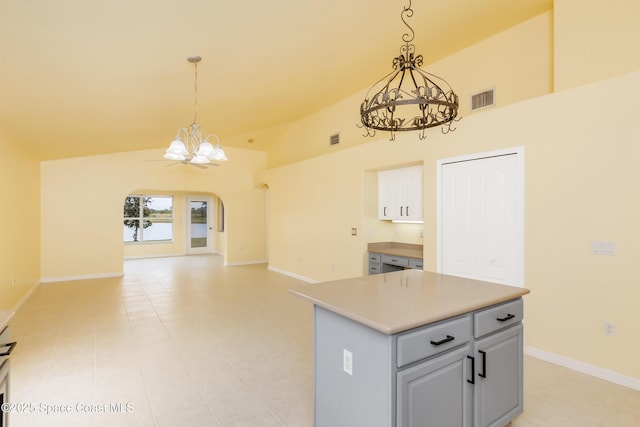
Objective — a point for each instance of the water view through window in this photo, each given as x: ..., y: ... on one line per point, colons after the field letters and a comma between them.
x: 198, y: 224
x: 148, y: 219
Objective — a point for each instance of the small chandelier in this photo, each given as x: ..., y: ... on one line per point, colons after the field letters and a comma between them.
x: 408, y: 98
x: 192, y: 143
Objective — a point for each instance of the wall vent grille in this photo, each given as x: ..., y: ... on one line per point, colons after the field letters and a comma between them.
x: 334, y: 139
x: 483, y: 99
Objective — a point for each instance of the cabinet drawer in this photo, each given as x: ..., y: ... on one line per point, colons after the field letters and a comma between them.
x: 374, y: 269
x: 395, y: 260
x: 431, y: 340
x: 374, y: 257
x: 415, y: 263
x: 498, y: 317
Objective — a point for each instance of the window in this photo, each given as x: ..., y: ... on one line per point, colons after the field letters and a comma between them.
x: 148, y: 219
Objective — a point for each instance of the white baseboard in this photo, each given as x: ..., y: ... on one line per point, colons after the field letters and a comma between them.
x: 84, y: 277
x: 233, y: 264
x: 585, y: 368
x: 294, y: 275
x: 26, y: 296
x: 127, y: 258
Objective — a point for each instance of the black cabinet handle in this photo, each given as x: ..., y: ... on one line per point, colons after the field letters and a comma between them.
x: 483, y: 374
x: 442, y: 341
x: 11, y: 346
x: 401, y: 211
x: 407, y: 210
x: 473, y: 370
x: 507, y: 317
x: 384, y: 211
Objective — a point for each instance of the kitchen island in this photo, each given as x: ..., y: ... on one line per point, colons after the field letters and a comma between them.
x: 414, y: 348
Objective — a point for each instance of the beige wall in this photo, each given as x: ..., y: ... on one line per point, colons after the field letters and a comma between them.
x: 82, y: 201
x: 580, y: 177
x: 581, y: 153
x: 19, y: 224
x: 517, y: 63
x: 580, y: 172
x: 594, y: 40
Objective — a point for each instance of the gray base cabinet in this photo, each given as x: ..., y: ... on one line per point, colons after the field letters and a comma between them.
x: 382, y: 263
x: 459, y: 372
x: 498, y: 388
x: 436, y: 392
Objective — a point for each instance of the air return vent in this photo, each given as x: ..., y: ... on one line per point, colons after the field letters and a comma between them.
x: 483, y: 99
x: 334, y: 139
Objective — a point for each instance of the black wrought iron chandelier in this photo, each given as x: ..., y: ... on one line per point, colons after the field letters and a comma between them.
x: 408, y: 98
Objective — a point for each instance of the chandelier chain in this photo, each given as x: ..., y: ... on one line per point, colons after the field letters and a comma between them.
x: 195, y: 88
x: 407, y: 12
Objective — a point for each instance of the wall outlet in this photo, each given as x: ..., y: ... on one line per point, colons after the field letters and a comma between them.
x: 609, y: 329
x: 347, y: 361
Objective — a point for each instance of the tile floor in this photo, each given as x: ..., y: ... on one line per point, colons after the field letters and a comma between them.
x: 188, y: 342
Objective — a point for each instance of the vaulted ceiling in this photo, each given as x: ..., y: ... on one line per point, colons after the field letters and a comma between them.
x: 85, y: 77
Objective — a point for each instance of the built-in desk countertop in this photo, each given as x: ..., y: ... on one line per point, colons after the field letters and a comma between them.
x: 408, y: 250
x: 402, y: 300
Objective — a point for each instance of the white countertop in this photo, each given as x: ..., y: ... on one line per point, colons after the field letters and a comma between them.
x: 402, y: 300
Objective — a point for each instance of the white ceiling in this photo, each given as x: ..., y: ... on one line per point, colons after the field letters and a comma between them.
x: 81, y: 77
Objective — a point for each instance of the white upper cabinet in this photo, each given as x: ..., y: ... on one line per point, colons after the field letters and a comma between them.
x: 400, y: 194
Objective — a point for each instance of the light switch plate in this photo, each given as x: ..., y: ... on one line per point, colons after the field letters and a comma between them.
x: 603, y: 248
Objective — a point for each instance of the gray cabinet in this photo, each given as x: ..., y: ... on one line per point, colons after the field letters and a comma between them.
x: 498, y: 395
x: 438, y: 387
x: 384, y: 263
x: 464, y: 371
x: 479, y: 384
x: 375, y: 265
x: 436, y: 392
x: 498, y: 385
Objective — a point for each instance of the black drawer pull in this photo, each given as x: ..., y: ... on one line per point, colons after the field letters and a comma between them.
x: 11, y: 346
x: 507, y: 317
x: 445, y: 340
x: 473, y: 370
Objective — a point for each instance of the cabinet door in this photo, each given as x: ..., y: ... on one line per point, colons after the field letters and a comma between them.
x: 498, y: 381
x: 436, y: 392
x: 400, y: 194
x: 413, y: 178
x: 386, y: 184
